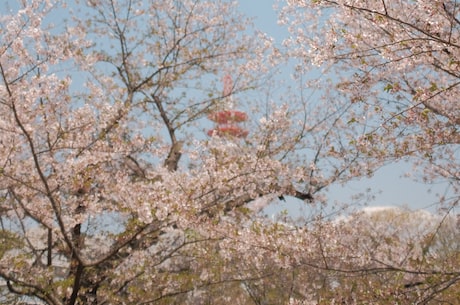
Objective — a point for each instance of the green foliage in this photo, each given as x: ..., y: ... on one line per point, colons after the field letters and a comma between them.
x: 9, y: 241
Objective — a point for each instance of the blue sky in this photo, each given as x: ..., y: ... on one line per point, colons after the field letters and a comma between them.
x: 391, y: 187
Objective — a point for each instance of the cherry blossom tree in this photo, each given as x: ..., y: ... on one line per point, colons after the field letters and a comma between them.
x: 111, y: 191
x: 382, y: 255
x: 96, y: 114
x: 392, y: 66
x: 413, y: 257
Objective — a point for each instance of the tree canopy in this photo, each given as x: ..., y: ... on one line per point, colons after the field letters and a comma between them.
x: 128, y: 175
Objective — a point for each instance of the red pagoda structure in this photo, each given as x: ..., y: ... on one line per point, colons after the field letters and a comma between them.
x: 228, y: 121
